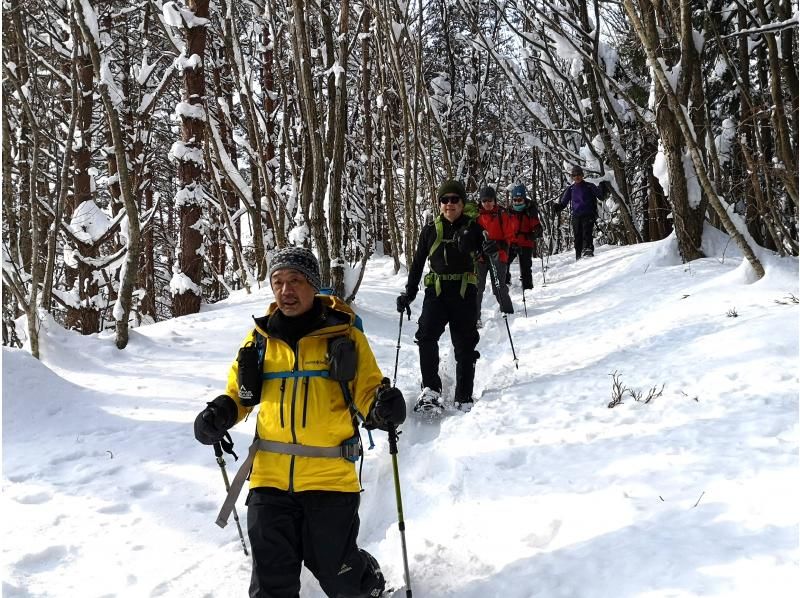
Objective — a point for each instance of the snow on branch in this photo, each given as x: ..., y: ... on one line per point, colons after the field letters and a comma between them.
x: 186, y: 110
x: 178, y: 16
x: 231, y: 172
x: 89, y: 223
x: 180, y: 284
x: 768, y: 28
x: 90, y: 19
x: 189, y: 195
x: 186, y: 153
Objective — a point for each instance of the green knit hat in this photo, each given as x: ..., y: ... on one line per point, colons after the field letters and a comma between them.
x: 454, y: 187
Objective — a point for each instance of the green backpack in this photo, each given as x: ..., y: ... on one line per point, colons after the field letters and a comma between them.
x: 471, y: 210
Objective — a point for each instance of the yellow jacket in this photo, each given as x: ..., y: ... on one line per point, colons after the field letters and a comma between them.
x: 308, y: 410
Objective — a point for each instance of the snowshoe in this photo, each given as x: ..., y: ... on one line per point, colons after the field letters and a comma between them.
x: 464, y: 405
x: 429, y: 404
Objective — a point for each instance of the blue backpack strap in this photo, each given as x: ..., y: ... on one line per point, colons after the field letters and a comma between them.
x: 295, y: 374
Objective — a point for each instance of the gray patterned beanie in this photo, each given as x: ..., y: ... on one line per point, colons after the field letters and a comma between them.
x: 300, y: 259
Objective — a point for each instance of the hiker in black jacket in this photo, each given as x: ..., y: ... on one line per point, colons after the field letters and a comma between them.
x: 449, y: 244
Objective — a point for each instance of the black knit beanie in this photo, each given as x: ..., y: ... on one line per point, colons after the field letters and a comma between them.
x: 300, y: 259
x: 452, y: 186
x: 488, y: 192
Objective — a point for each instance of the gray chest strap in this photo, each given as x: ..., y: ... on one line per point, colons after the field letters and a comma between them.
x: 349, y: 450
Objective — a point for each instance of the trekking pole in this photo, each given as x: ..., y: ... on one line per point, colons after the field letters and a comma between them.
x: 524, y: 304
x: 401, y: 524
x: 221, y: 463
x: 541, y: 259
x: 399, y: 334
x: 496, y: 284
x: 510, y: 340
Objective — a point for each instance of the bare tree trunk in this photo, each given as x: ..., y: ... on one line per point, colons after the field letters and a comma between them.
x: 316, y: 167
x: 187, y: 300
x: 25, y: 219
x: 688, y: 217
x: 63, y: 190
x: 337, y: 126
x: 122, y: 308
x: 370, y: 198
x: 593, y: 84
x: 676, y: 109
x: 783, y: 140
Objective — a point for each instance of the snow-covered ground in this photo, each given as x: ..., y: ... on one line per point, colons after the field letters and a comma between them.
x: 543, y: 490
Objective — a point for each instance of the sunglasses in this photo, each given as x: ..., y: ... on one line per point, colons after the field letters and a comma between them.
x: 518, y: 199
x: 445, y: 199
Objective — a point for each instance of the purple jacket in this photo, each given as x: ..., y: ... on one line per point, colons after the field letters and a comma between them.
x: 582, y: 198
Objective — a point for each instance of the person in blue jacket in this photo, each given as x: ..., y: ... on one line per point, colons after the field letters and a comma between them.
x: 582, y: 198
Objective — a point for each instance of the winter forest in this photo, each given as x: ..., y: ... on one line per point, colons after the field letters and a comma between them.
x: 155, y: 153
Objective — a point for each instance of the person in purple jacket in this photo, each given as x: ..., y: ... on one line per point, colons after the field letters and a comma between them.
x: 582, y: 198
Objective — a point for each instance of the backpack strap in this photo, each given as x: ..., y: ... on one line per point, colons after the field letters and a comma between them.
x: 437, y: 223
x: 295, y: 374
x: 435, y: 279
x: 350, y: 449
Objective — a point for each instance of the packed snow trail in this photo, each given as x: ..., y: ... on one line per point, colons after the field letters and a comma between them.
x: 542, y: 490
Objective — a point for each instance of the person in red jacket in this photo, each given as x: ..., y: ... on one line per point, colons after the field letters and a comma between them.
x: 524, y: 229
x: 495, y: 222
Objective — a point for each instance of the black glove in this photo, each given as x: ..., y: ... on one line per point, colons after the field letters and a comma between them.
x: 388, y: 410
x: 213, y: 421
x: 490, y: 247
x: 404, y: 302
x: 538, y: 232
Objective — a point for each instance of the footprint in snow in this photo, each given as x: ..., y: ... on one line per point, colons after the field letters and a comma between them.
x: 37, y: 498
x: 49, y: 558
x: 142, y: 489
x: 115, y: 509
x: 541, y: 538
x: 59, y: 459
x: 205, y: 506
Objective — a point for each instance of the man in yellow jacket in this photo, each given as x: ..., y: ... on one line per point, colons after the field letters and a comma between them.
x: 313, y: 376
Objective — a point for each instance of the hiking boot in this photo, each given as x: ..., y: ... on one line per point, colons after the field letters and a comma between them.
x: 377, y: 583
x: 588, y: 253
x: 429, y: 403
x: 465, y: 405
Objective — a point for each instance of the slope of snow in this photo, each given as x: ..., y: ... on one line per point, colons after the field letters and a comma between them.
x: 542, y: 490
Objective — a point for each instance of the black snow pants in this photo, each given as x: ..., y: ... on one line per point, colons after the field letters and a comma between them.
x: 583, y: 229
x: 501, y: 293
x: 316, y: 527
x: 525, y: 265
x: 459, y: 312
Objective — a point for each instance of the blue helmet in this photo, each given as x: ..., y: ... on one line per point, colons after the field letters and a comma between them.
x: 518, y: 191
